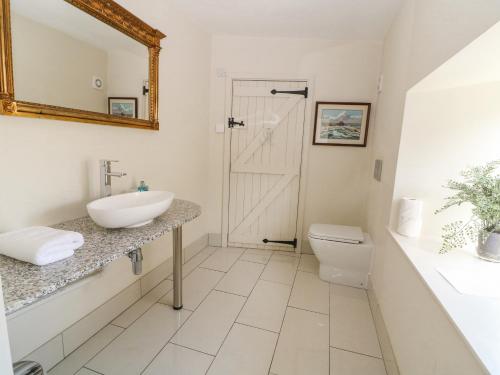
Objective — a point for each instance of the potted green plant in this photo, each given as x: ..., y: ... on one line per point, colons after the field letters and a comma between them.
x: 480, y: 188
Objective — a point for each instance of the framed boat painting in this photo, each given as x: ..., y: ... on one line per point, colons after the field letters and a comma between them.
x: 341, y: 124
x: 125, y: 107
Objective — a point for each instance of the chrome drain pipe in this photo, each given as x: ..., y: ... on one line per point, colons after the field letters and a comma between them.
x: 27, y: 368
x: 136, y: 259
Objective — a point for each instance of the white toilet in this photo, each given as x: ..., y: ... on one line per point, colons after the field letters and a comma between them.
x: 344, y: 253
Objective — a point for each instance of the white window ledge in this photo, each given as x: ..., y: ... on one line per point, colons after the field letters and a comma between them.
x: 476, y: 318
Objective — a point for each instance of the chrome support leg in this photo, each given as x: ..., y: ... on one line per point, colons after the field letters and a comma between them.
x: 177, y: 236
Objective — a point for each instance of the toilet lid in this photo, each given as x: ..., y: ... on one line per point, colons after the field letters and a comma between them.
x: 339, y: 233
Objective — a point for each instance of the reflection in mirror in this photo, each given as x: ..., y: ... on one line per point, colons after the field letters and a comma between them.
x: 67, y: 58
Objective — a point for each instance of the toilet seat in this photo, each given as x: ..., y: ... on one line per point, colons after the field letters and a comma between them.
x: 336, y: 233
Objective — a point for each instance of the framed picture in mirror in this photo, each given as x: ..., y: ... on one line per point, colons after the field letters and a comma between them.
x: 125, y: 107
x: 69, y: 59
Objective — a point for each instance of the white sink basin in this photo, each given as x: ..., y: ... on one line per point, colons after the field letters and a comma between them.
x: 129, y: 210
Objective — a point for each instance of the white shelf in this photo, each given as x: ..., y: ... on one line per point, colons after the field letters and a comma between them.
x: 476, y: 318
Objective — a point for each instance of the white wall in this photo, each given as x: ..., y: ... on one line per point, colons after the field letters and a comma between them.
x: 50, y: 168
x: 342, y: 71
x: 453, y: 114
x: 423, y: 36
x: 457, y: 128
x: 62, y: 74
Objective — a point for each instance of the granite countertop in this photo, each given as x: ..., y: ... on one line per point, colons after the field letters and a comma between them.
x: 25, y: 283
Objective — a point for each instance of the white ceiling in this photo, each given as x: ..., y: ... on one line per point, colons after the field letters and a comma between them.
x: 331, y: 19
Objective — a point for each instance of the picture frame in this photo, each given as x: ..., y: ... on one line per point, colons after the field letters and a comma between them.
x: 341, y: 124
x: 123, y: 106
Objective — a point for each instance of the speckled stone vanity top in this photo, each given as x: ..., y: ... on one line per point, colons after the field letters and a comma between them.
x: 25, y: 283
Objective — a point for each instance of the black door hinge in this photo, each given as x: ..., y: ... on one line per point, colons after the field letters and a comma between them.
x: 291, y: 243
x: 231, y: 123
x: 298, y: 92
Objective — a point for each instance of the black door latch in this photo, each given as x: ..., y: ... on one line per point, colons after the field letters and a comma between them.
x: 231, y: 123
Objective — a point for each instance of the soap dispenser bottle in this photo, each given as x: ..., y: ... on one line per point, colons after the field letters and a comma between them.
x: 142, y: 186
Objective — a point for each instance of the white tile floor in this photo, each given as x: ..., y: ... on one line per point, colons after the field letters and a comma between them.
x: 245, y: 312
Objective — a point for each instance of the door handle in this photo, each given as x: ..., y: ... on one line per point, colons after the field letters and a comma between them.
x: 231, y: 123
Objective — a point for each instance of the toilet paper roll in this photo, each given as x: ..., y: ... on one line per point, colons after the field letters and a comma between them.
x: 410, y: 217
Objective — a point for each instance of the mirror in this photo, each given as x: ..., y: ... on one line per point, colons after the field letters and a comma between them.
x: 79, y: 60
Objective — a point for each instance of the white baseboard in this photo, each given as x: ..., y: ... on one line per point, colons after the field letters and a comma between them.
x: 390, y: 362
x: 306, y: 247
x: 215, y: 239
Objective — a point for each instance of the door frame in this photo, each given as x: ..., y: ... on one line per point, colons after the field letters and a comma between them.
x: 230, y: 77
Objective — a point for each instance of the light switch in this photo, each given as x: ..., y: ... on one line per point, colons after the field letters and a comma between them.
x: 220, y: 127
x: 377, y: 171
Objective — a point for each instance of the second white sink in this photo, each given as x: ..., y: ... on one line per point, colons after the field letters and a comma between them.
x: 129, y: 210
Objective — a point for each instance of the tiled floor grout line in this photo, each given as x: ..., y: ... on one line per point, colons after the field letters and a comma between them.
x: 95, y: 372
x: 65, y: 357
x: 234, y: 322
x: 211, y: 269
x: 163, y: 295
x: 88, y: 314
x: 233, y: 294
x: 277, y: 282
x: 124, y: 329
x: 155, y: 302
x: 187, y: 347
x: 251, y: 261
x: 190, y: 272
x: 192, y: 312
x: 63, y: 350
x: 284, y: 315
x: 169, y: 340
x: 313, y: 272
x: 104, y: 347
x: 237, y: 316
x: 166, y: 304
x: 286, y: 253
x: 311, y: 311
x: 171, y: 273
x: 376, y: 331
x: 249, y: 294
x: 262, y: 329
x: 354, y: 352
x: 203, y: 300
x: 244, y: 260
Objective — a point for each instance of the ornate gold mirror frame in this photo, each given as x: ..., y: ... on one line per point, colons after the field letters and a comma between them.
x: 106, y: 11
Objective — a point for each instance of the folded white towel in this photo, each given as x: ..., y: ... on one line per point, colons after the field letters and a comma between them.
x: 40, y: 245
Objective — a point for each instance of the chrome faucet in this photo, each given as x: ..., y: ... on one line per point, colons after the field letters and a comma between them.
x: 106, y: 175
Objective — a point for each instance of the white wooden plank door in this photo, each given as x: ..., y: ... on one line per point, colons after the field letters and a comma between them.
x: 266, y: 154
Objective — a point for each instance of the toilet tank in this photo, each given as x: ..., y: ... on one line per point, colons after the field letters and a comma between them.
x: 344, y: 263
